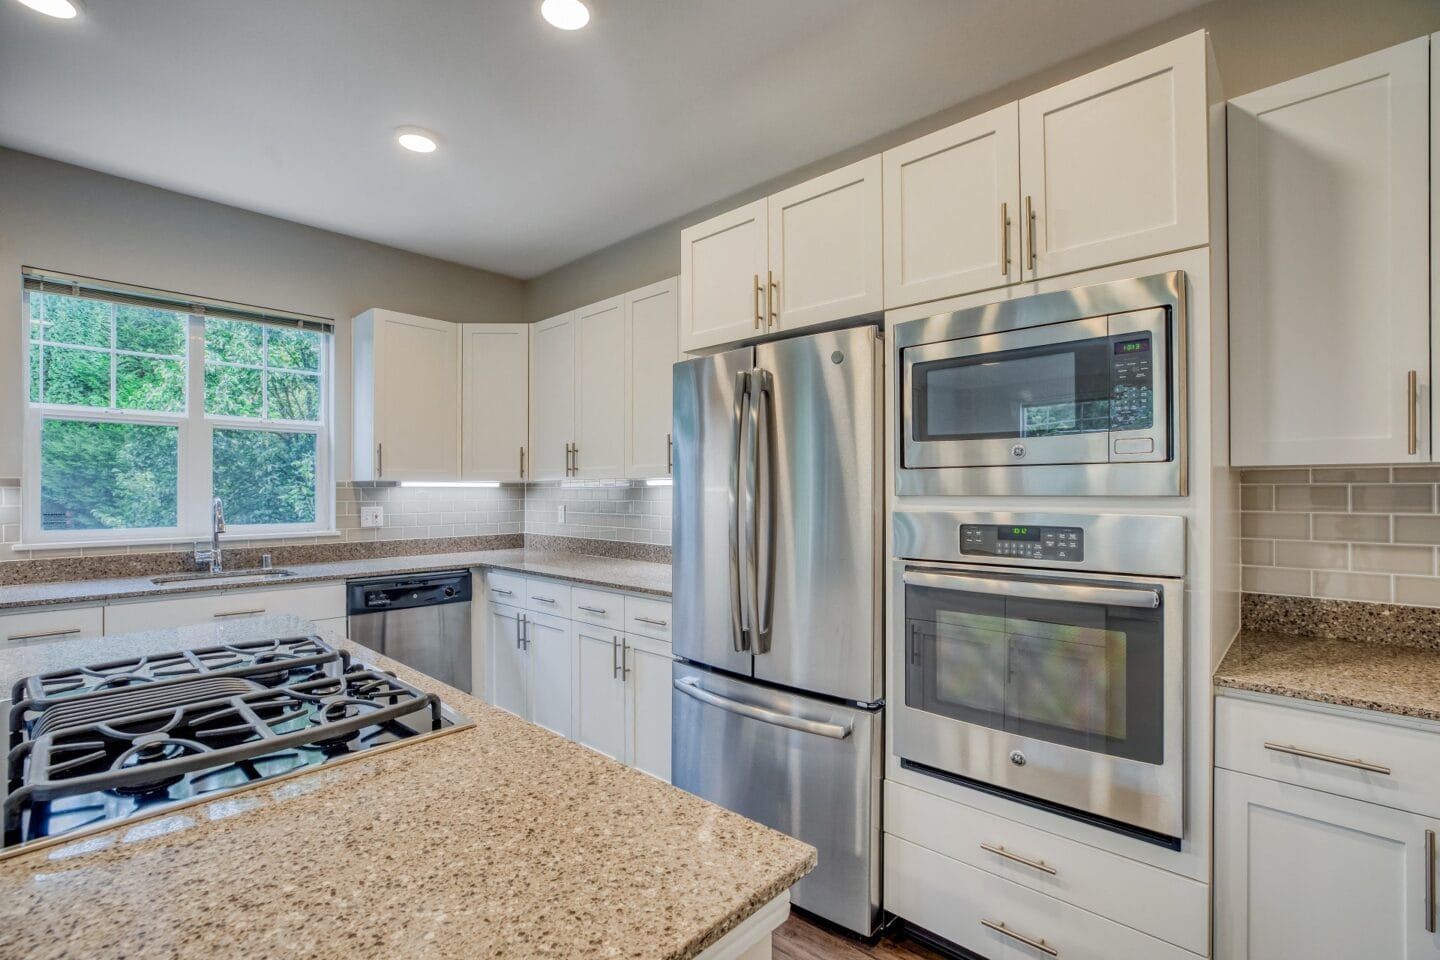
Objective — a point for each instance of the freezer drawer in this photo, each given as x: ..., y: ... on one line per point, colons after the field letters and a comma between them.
x: 808, y: 768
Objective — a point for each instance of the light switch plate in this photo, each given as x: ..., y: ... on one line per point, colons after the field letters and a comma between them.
x: 560, y: 513
x: 372, y: 516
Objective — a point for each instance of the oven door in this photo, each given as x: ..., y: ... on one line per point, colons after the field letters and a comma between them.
x: 1062, y: 689
x: 1079, y: 392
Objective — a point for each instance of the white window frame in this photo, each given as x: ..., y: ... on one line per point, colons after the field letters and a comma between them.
x: 194, y: 449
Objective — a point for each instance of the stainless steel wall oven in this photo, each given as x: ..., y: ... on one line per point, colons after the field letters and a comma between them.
x: 1080, y: 392
x: 1041, y: 656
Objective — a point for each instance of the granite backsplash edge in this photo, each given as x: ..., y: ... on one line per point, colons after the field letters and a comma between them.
x: 161, y: 562
x: 1326, y: 619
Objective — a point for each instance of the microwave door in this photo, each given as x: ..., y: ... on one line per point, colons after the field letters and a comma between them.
x: 1031, y: 396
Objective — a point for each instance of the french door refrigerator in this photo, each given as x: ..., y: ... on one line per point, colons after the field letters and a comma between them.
x: 777, y: 601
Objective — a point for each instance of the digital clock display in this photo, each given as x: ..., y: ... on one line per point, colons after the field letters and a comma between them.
x: 1123, y: 347
x: 1018, y: 533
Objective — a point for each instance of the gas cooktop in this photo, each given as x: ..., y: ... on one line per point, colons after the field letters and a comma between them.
x: 99, y: 744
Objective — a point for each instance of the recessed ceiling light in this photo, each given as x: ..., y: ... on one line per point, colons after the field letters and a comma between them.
x: 59, y: 9
x: 416, y: 140
x: 565, y: 14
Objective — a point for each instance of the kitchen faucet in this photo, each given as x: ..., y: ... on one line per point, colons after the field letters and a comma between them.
x: 213, y: 556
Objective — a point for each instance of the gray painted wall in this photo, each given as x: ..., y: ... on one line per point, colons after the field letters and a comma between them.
x: 1257, y: 43
x: 66, y: 218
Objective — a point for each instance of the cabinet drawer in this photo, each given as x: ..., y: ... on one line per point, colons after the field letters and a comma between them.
x: 505, y: 587
x: 648, y: 617
x: 547, y: 596
x: 51, y: 623
x: 965, y: 905
x: 598, y: 607
x: 320, y: 602
x: 1273, y: 740
x: 1159, y: 903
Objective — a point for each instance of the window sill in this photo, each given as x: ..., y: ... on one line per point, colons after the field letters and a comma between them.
x: 225, y: 541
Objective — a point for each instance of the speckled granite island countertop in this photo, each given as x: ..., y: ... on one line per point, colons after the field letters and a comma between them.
x: 1392, y: 678
x: 637, y: 576
x: 496, y: 841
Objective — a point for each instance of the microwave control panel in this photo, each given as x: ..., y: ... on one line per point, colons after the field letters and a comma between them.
x: 1132, y: 383
x: 1023, y: 542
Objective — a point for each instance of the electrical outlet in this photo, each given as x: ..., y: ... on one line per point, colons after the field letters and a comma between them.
x: 560, y: 513
x: 372, y: 516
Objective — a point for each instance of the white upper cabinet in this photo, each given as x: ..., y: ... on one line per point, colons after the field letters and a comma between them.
x: 1330, y: 264
x: 598, y: 449
x: 552, y: 396
x: 952, y: 210
x: 723, y: 263
x: 651, y: 330
x: 1114, y: 165
x: 494, y: 394
x: 406, y: 410
x: 826, y: 248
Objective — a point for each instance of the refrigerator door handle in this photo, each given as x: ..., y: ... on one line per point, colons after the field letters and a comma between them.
x: 752, y: 504
x: 738, y: 618
x: 690, y: 686
x: 763, y: 602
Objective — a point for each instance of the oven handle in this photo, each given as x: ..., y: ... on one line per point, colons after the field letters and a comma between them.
x: 1069, y: 592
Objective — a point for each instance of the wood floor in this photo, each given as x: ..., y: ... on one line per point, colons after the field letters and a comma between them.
x: 799, y: 938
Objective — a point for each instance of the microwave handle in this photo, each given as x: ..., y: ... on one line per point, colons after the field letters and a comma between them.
x: 1038, y: 590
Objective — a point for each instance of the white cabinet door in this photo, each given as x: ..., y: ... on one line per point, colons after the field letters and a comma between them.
x: 1114, y: 164
x: 1301, y: 873
x: 552, y: 396
x: 407, y: 393
x: 600, y: 390
x: 647, y: 704
x: 547, y: 642
x: 826, y: 248
x: 494, y: 393
x: 722, y: 278
x: 651, y: 331
x: 1329, y: 264
x: 509, y: 673
x: 39, y: 625
x: 600, y: 718
x: 952, y: 210
x: 319, y: 601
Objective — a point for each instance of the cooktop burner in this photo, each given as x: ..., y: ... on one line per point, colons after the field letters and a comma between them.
x: 112, y: 741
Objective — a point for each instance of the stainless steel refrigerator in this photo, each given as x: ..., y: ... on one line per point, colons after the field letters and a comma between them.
x: 777, y: 601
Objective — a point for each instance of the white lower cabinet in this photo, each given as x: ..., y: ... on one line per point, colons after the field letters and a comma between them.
x: 509, y: 666
x: 51, y: 623
x: 600, y: 691
x: 324, y: 601
x: 1303, y: 873
x: 547, y: 642
x: 1003, y: 920
x: 647, y: 704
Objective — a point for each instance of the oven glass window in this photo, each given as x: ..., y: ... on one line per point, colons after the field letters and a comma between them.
x: 1083, y: 675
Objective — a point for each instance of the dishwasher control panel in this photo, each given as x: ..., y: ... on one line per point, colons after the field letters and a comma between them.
x: 1023, y: 542
x: 403, y: 592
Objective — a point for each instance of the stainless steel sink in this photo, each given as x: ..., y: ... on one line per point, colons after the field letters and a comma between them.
x: 256, y: 573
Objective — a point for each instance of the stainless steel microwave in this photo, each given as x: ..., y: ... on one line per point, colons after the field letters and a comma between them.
x: 1075, y: 393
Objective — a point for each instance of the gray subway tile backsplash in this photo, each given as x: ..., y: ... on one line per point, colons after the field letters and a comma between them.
x: 1352, y: 533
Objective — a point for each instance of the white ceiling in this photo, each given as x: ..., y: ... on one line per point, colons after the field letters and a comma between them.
x: 553, y: 144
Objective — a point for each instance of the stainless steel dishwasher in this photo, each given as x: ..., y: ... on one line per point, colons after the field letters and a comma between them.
x: 422, y: 620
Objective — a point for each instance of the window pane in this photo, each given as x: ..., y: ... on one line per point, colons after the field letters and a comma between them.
x: 265, y: 477
x: 37, y: 316
x: 233, y: 341
x: 105, y: 476
x: 76, y: 320
x: 34, y: 376
x: 144, y: 383
x: 232, y: 391
x: 76, y: 377
x: 294, y: 396
x: 147, y: 330
x: 293, y: 349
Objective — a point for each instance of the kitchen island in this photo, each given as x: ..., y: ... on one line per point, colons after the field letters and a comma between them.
x: 495, y: 839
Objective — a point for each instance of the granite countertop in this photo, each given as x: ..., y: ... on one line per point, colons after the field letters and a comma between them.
x: 638, y: 576
x: 1391, y: 678
x: 501, y: 841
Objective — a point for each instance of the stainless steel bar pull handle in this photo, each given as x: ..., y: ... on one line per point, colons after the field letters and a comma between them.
x: 574, y: 459
x: 752, y: 494
x: 42, y: 635
x: 1031, y: 942
x: 503, y: 593
x: 1004, y: 239
x: 1412, y: 391
x: 691, y: 688
x: 238, y: 613
x: 773, y: 298
x: 598, y: 611
x: 379, y: 459
x: 669, y: 454
x: 1294, y: 751
x: 656, y: 623
x: 1000, y: 851
x: 614, y: 658
x: 624, y: 659
x: 536, y: 596
x: 522, y: 463
x: 519, y: 632
x: 1030, y: 232
x: 1429, y: 881
x: 738, y: 630
x: 764, y: 510
x: 1065, y: 592
x: 758, y: 290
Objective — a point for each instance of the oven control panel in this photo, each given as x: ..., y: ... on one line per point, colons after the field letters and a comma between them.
x: 1023, y: 542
